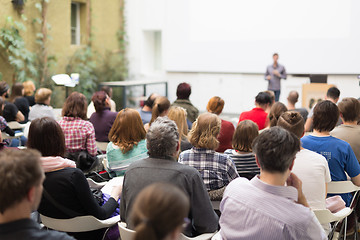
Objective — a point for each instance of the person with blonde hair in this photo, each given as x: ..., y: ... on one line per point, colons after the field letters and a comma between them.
x: 159, y: 212
x: 29, y: 90
x: 216, y: 169
x: 216, y: 105
x: 160, y: 109
x: 127, y: 141
x: 42, y: 107
x: 242, y: 154
x: 178, y: 115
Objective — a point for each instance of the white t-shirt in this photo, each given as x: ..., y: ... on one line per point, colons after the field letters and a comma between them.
x: 313, y: 170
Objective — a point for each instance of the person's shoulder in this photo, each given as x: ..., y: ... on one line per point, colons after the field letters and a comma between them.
x: 53, y: 235
x: 236, y: 185
x: 310, y: 156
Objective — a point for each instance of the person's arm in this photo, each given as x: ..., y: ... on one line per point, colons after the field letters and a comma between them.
x: 356, y: 180
x: 231, y: 169
x: 267, y: 74
x: 9, y: 131
x: 19, y: 117
x: 283, y: 74
x: 352, y: 166
x: 295, y: 182
x: 88, y: 202
x: 90, y: 140
x: 204, y: 219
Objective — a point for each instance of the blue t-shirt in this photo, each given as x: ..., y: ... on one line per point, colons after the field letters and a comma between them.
x: 339, y: 155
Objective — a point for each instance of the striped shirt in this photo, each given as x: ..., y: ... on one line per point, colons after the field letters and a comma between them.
x: 216, y: 169
x: 256, y: 210
x: 245, y: 163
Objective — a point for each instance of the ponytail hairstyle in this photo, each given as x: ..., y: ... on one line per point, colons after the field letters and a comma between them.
x: 161, y: 105
x: 99, y: 100
x: 178, y: 115
x: 158, y: 210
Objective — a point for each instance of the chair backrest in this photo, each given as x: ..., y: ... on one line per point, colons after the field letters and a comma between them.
x: 16, y: 125
x: 78, y: 224
x: 125, y: 233
x: 217, y: 236
x: 102, y: 145
x: 96, y: 185
x: 325, y: 216
x: 338, y: 187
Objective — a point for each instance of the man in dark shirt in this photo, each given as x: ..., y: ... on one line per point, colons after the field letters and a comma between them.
x: 10, y: 112
x: 21, y: 178
x: 161, y: 166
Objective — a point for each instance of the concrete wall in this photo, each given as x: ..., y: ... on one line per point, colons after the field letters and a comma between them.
x: 237, y: 89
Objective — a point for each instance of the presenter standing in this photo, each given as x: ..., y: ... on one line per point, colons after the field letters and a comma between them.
x: 274, y: 73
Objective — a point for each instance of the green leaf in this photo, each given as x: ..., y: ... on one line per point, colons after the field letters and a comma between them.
x: 23, y: 17
x: 38, y: 6
x: 39, y: 35
x: 2, y: 44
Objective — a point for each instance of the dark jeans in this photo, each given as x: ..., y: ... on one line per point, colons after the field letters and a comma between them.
x: 277, y: 95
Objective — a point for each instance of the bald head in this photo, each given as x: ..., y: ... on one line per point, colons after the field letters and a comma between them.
x: 293, y: 97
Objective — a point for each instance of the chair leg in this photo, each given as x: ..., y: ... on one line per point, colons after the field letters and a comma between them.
x: 345, y: 228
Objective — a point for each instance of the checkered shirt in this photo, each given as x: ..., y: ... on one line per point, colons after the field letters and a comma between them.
x: 79, y: 135
x: 3, y: 123
x: 216, y: 169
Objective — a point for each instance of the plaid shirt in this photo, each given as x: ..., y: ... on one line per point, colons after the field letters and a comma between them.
x: 216, y: 169
x: 3, y: 123
x: 79, y: 135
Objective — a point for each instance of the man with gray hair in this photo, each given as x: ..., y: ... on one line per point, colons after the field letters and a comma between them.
x: 161, y: 166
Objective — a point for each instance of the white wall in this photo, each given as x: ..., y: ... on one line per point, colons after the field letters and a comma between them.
x: 237, y: 89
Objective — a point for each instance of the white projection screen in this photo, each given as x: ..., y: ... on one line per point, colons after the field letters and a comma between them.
x: 240, y: 36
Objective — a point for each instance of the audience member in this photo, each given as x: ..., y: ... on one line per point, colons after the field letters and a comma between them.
x: 264, y: 208
x: 108, y: 90
x: 178, y: 115
x: 66, y: 187
x: 292, y: 99
x: 242, y: 155
x: 216, y: 169
x: 216, y: 105
x: 146, y: 110
x: 159, y: 212
x: 276, y: 110
x: 311, y: 167
x: 10, y: 111
x: 332, y: 95
x: 258, y: 114
x: 127, y: 141
x: 102, y: 119
x: 338, y: 153
x: 272, y: 98
x: 29, y: 90
x: 17, y: 97
x: 160, y: 109
x: 349, y: 131
x: 79, y: 133
x: 42, y: 107
x: 163, y: 145
x: 183, y: 92
x: 4, y: 127
x: 274, y: 73
x: 21, y: 186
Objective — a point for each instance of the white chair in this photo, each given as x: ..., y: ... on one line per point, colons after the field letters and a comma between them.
x: 78, y: 224
x: 339, y: 187
x: 128, y: 234
x: 217, y: 236
x: 16, y: 125
x: 102, y: 145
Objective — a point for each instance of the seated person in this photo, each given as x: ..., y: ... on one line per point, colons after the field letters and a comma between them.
x: 216, y: 105
x: 242, y: 155
x: 338, y: 153
x: 19, y: 198
x: 276, y: 110
x: 162, y: 142
x: 258, y: 114
x: 42, y: 107
x: 160, y: 109
x: 311, y: 167
x: 127, y: 141
x: 216, y: 169
x: 292, y: 99
x: 17, y: 98
x: 163, y: 205
x: 102, y: 119
x: 264, y: 207
x: 108, y: 90
x: 66, y: 187
x: 79, y: 133
x: 178, y: 115
x: 349, y: 131
x: 29, y: 90
x: 10, y: 111
x: 146, y: 110
x: 183, y: 92
x: 4, y: 127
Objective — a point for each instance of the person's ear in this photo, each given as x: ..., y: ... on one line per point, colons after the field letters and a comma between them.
x: 257, y: 161
x: 31, y: 195
x: 292, y: 164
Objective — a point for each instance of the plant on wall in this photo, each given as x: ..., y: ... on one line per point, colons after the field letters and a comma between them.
x: 13, y: 50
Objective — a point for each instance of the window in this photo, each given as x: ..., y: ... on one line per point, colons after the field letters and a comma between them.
x: 75, y: 23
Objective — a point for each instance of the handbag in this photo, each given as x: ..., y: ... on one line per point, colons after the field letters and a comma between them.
x: 84, y: 161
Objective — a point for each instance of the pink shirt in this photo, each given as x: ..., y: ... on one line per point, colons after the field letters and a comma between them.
x: 79, y: 135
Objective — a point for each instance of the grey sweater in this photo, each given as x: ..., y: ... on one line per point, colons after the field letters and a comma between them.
x: 145, y: 172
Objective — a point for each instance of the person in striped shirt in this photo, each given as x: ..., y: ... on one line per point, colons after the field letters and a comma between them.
x: 242, y: 154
